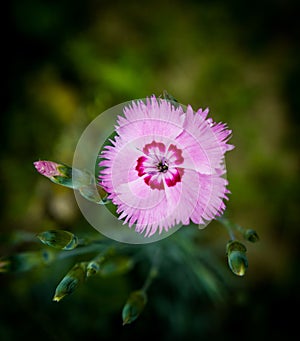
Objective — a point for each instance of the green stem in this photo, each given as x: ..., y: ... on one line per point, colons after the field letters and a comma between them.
x: 151, y: 275
x: 153, y: 272
x: 82, y: 250
x: 229, y: 226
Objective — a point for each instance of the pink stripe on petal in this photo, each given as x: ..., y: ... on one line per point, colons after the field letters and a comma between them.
x: 156, y: 182
x: 173, y: 177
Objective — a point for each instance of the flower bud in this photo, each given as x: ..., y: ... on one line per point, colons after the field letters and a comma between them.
x: 59, y: 239
x: 95, y: 264
x: 71, y: 281
x: 92, y: 268
x: 237, y: 259
x: 67, y: 176
x: 62, y: 174
x: 134, y: 306
x: 25, y: 261
x: 56, y: 172
x: 251, y: 236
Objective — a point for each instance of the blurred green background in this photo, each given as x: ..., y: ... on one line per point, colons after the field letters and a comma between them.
x: 67, y: 61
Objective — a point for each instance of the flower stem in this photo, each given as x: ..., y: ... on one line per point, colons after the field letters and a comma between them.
x: 151, y: 275
x: 229, y: 227
x: 94, y: 247
x: 153, y: 272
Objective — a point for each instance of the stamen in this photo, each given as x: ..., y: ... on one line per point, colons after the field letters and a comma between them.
x: 162, y: 166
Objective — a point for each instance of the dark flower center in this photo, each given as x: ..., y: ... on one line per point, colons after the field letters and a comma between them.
x: 162, y: 167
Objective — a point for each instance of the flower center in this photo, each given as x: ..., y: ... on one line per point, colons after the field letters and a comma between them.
x: 162, y: 167
x: 159, y: 165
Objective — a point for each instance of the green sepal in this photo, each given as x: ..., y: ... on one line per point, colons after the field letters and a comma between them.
x: 170, y: 98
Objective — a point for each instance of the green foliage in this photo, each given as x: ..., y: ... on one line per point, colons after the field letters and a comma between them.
x: 70, y: 61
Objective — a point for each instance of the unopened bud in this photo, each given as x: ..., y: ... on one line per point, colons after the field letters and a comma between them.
x: 59, y: 239
x: 237, y: 259
x: 25, y: 261
x: 71, y: 281
x: 251, y: 236
x: 92, y: 268
x: 62, y: 174
x: 134, y: 306
x: 67, y: 176
x: 56, y: 172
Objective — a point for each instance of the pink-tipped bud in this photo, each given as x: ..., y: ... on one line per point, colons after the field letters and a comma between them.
x: 58, y: 173
x: 48, y: 168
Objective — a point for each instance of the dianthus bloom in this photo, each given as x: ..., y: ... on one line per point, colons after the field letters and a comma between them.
x: 165, y: 166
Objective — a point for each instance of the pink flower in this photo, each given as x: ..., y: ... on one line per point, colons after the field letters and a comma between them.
x: 165, y: 166
x: 48, y: 168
